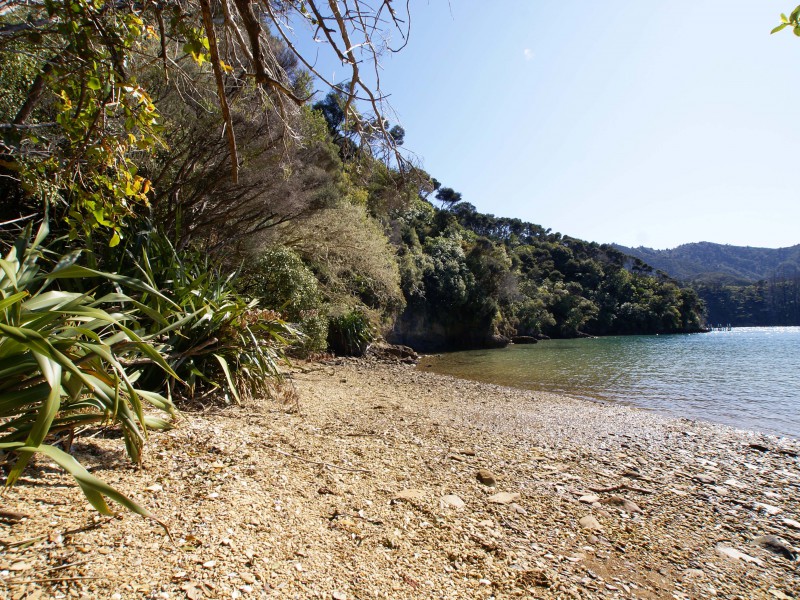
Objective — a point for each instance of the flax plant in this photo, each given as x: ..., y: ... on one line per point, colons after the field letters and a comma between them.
x: 214, y: 338
x: 67, y: 362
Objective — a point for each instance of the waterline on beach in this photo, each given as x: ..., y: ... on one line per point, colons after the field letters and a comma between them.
x: 748, y: 378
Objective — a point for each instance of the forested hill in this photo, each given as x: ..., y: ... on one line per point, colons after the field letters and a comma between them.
x: 720, y: 263
x: 741, y: 286
x: 471, y: 278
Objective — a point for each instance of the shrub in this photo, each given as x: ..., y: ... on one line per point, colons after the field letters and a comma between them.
x: 279, y: 279
x: 350, y: 332
x: 67, y: 361
x: 350, y: 255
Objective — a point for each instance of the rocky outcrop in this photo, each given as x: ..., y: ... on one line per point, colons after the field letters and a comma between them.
x: 392, y: 352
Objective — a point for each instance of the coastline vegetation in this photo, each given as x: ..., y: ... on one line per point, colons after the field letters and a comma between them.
x: 201, y: 217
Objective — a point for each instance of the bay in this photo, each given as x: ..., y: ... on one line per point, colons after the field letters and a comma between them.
x: 747, y: 377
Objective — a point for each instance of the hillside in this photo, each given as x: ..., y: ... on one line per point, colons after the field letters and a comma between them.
x: 720, y: 263
x: 739, y: 285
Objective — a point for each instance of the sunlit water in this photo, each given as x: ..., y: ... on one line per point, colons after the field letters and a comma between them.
x: 748, y: 377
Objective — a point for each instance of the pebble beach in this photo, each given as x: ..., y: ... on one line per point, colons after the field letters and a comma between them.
x: 383, y: 481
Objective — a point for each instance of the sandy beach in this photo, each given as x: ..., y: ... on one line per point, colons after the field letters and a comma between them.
x: 389, y: 482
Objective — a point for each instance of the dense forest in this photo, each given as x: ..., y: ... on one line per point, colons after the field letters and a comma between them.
x: 180, y: 211
x: 472, y: 279
x: 741, y: 286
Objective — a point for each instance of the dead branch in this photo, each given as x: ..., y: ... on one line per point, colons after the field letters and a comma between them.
x: 621, y: 486
x: 223, y: 100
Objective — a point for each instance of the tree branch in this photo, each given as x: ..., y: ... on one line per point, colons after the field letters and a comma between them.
x: 223, y: 100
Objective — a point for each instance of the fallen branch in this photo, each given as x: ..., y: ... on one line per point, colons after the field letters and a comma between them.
x: 67, y: 566
x: 322, y: 464
x: 33, y: 540
x: 621, y: 486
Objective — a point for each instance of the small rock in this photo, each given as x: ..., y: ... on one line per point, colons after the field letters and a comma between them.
x: 589, y: 499
x: 791, y: 523
x: 453, y: 501
x: 486, y: 477
x: 209, y: 564
x: 705, y: 479
x: 518, y: 509
x: 779, y: 594
x: 154, y: 488
x: 767, y: 508
x: 759, y: 447
x: 590, y: 523
x: 337, y: 595
x: 693, y: 573
x: 623, y: 503
x: 393, y: 541
x: 776, y: 545
x: 504, y: 498
x: 734, y: 554
x: 410, y: 495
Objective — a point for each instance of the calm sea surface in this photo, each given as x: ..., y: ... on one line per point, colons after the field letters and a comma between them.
x: 748, y: 377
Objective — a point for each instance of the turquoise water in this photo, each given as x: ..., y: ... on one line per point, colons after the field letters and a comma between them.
x: 748, y: 377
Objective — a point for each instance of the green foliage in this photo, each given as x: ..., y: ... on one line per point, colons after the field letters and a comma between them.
x: 774, y: 301
x: 350, y: 332
x: 469, y: 277
x: 211, y: 336
x: 447, y: 278
x: 793, y: 21
x: 279, y: 280
x: 530, y: 316
x: 66, y: 363
x: 350, y: 255
x: 94, y: 114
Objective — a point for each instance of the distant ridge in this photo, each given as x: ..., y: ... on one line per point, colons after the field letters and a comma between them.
x: 706, y: 262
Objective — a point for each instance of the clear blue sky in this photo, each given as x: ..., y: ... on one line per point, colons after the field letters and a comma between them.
x: 642, y: 123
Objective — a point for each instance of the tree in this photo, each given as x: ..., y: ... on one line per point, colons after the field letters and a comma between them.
x: 86, y: 116
x: 448, y: 197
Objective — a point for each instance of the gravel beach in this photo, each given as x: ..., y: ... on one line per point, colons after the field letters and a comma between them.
x: 390, y: 482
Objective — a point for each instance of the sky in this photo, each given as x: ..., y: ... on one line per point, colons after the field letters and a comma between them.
x: 646, y: 123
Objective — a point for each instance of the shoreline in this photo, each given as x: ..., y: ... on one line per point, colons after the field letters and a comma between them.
x: 745, y: 404
x: 774, y: 436
x: 360, y: 496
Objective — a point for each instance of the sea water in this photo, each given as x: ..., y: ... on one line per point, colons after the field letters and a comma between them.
x: 747, y: 377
